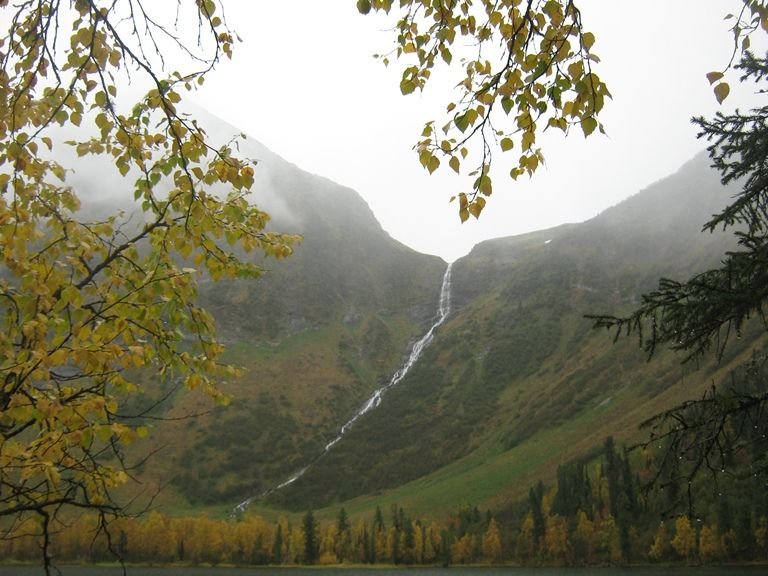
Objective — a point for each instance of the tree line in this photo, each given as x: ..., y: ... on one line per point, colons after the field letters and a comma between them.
x: 595, y: 513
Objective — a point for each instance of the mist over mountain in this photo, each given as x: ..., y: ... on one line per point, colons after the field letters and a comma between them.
x: 517, y: 381
x: 316, y: 333
x: 514, y: 383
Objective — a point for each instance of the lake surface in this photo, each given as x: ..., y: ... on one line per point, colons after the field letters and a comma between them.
x: 454, y: 571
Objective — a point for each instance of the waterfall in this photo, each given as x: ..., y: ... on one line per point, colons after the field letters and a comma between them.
x: 443, y: 310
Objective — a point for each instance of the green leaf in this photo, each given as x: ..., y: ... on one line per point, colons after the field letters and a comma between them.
x: 484, y: 185
x: 407, y: 87
x: 506, y: 144
x: 434, y: 164
x: 454, y: 164
x: 588, y: 125
x: 363, y: 6
x: 461, y: 122
x: 528, y: 139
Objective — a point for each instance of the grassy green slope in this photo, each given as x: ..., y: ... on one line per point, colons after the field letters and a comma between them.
x: 517, y: 382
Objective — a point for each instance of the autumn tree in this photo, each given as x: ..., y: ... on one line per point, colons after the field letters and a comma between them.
x: 608, y: 540
x: 661, y: 543
x: 492, y: 543
x: 584, y: 538
x: 684, y: 540
x: 709, y: 544
x: 327, y: 545
x: 761, y: 538
x: 556, y: 541
x: 155, y: 541
x: 527, y: 546
x: 463, y: 549
x: 87, y: 302
x: 433, y: 543
x: 419, y: 545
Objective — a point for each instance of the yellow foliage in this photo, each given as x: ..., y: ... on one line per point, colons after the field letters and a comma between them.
x: 660, y: 547
x: 86, y: 300
x: 709, y: 544
x: 525, y: 66
x: 492, y: 543
x: 684, y: 541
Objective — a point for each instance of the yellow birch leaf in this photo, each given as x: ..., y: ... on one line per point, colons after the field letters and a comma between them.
x: 714, y: 76
x: 721, y: 91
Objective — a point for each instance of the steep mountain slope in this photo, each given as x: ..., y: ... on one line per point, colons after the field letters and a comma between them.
x: 315, y: 334
x: 516, y: 381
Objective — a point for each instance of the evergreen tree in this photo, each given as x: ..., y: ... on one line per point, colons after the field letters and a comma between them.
x: 378, y: 537
x: 311, y: 547
x: 612, y: 474
x: 369, y: 555
x: 535, y: 497
x: 343, y: 536
x: 378, y: 520
x: 705, y: 312
x: 277, y: 546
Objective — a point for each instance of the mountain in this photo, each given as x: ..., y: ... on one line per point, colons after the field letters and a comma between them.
x: 517, y: 381
x: 315, y: 335
x: 514, y: 383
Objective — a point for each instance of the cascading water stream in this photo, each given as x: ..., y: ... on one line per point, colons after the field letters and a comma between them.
x: 443, y: 310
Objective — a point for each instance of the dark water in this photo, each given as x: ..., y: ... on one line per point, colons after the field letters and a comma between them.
x: 455, y: 571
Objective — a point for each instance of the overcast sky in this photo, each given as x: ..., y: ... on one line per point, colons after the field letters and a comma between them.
x: 304, y: 83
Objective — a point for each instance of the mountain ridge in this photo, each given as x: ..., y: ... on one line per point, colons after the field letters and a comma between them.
x: 518, y: 360
x: 512, y: 369
x: 315, y: 334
